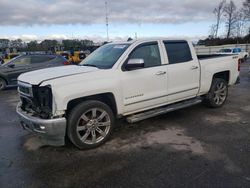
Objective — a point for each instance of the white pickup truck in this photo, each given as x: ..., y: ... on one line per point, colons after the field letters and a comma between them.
x: 134, y: 80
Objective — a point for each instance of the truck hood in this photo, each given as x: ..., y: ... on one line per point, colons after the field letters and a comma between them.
x: 39, y: 76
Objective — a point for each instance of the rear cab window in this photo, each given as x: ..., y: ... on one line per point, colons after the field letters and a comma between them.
x: 178, y: 51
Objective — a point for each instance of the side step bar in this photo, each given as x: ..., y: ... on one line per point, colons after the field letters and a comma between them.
x: 163, y: 110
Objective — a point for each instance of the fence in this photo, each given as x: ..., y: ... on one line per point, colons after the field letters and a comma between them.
x: 204, y: 50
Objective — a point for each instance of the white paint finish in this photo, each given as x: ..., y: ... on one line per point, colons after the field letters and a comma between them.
x: 38, y: 76
x: 211, y: 66
x: 145, y: 84
x: 72, y: 82
x: 183, y: 81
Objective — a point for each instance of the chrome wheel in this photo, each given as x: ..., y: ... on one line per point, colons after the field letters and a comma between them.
x: 220, y: 93
x: 93, y: 126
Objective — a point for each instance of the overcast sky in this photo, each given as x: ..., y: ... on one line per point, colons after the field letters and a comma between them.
x: 59, y: 19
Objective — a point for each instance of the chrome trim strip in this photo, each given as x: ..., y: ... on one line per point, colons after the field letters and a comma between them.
x: 161, y: 96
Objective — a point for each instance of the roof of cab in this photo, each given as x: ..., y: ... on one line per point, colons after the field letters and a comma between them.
x: 149, y: 39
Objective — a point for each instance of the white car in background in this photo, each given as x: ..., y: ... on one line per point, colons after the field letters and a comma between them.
x: 242, y: 55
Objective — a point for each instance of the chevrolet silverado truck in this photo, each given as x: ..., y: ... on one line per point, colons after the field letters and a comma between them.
x: 134, y: 80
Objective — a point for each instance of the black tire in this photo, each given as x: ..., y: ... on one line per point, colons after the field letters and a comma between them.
x: 81, y: 122
x: 2, y: 84
x: 217, y: 94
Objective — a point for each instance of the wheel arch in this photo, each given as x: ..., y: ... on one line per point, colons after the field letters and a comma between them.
x: 107, y: 98
x: 224, y: 75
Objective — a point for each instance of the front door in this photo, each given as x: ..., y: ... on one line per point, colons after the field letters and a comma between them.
x: 145, y: 87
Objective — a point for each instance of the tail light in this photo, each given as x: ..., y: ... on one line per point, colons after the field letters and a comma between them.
x: 66, y: 63
x: 239, y: 62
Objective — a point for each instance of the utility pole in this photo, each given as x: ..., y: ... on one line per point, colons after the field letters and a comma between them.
x: 107, y: 20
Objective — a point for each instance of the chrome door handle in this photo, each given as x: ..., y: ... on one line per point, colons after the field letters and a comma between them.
x: 194, y: 67
x: 160, y: 73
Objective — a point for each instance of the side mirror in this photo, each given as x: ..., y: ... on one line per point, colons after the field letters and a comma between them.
x: 11, y: 65
x: 134, y: 64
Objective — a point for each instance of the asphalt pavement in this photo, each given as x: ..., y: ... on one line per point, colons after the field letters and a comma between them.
x: 192, y: 147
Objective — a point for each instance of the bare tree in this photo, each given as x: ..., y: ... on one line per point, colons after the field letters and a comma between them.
x: 246, y: 9
x: 212, y: 32
x: 218, y: 11
x: 230, y: 14
x: 240, y: 23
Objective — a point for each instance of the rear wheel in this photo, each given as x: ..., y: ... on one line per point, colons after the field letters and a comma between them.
x: 2, y: 84
x: 90, y: 124
x: 218, y: 93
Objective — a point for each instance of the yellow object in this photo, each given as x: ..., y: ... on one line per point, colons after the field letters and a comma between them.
x: 77, y: 57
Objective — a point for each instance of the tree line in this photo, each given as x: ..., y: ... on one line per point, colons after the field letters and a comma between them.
x: 46, y: 45
x: 236, y: 21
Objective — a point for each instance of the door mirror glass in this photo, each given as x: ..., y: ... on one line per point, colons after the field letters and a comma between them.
x: 135, y: 64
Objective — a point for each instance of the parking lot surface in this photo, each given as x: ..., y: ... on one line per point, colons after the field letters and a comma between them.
x: 193, y: 147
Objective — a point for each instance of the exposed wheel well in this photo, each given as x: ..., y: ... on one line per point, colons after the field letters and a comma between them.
x: 224, y: 75
x: 107, y: 98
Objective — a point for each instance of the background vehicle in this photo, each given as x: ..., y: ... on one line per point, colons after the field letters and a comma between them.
x: 242, y: 55
x: 25, y: 63
x: 77, y: 56
x: 136, y: 80
x: 65, y: 54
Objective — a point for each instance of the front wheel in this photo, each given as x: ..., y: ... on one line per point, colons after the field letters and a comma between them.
x: 90, y: 124
x: 217, y: 95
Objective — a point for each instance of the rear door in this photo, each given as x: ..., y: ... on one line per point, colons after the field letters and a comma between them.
x: 183, y: 72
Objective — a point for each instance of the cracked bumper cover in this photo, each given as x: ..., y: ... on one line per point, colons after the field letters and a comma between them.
x: 52, y: 131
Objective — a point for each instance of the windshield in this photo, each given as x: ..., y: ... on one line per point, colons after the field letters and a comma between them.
x: 226, y: 50
x: 106, y: 56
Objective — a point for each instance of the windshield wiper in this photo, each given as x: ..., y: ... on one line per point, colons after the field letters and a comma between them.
x: 90, y: 65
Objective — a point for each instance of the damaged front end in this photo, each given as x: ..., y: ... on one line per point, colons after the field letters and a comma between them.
x: 35, y: 113
x: 36, y: 100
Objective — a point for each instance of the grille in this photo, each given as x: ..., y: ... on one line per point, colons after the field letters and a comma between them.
x: 36, y: 100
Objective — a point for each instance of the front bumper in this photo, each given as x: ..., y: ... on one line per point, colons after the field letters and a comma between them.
x: 52, y: 131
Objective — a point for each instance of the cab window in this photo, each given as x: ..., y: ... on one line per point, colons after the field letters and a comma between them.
x: 149, y: 53
x: 178, y: 51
